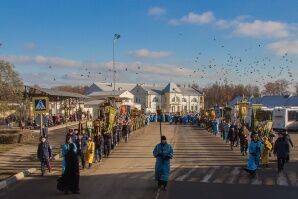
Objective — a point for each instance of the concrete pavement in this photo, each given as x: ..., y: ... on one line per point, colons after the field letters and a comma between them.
x: 203, y: 167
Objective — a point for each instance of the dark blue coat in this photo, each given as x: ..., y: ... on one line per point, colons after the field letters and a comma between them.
x: 281, y: 148
x: 44, y: 151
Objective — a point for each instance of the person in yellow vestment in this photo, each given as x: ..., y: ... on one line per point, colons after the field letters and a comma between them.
x: 266, y: 152
x: 90, y: 151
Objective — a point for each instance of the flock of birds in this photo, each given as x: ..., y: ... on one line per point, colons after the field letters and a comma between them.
x: 233, y: 69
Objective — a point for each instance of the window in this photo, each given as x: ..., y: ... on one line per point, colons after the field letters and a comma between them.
x: 155, y: 99
x: 194, y: 100
x: 192, y: 108
x: 183, y: 99
x: 185, y: 108
x: 196, y: 108
x: 173, y: 99
x: 177, y: 99
x: 292, y: 116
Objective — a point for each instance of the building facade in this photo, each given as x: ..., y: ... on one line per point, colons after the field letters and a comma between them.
x: 170, y: 99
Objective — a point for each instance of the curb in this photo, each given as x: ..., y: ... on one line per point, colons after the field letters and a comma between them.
x: 58, y: 127
x: 19, y: 176
x: 13, y: 179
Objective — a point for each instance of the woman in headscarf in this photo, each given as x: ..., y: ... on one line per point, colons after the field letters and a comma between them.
x: 163, y: 152
x: 71, y: 176
x: 255, y: 149
x: 64, y: 149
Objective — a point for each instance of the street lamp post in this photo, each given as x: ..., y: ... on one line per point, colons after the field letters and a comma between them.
x: 116, y: 36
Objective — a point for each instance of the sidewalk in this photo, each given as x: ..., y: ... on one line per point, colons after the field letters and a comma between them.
x: 23, y: 156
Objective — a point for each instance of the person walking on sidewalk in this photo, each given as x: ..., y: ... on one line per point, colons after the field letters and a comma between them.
x: 90, y: 151
x: 281, y: 150
x: 163, y: 152
x: 44, y: 154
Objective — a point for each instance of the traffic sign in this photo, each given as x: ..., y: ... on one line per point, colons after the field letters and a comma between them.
x: 40, y: 104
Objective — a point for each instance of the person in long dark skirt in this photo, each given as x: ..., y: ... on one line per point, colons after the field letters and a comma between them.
x: 71, y: 175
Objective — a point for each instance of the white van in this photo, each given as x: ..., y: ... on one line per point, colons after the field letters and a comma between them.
x: 285, y: 118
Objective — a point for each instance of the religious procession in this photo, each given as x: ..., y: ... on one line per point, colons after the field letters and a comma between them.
x: 91, y: 142
x: 251, y: 132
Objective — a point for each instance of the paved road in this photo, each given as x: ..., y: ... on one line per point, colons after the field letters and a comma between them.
x: 23, y: 156
x: 203, y: 167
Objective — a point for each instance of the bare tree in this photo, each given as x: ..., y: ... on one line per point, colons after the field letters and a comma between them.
x: 278, y: 87
x: 11, y: 86
x: 222, y: 94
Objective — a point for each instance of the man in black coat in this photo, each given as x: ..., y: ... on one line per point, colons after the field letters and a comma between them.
x: 44, y: 154
x: 281, y: 150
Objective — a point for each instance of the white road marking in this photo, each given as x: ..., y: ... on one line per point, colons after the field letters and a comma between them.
x: 256, y: 181
x: 222, y: 176
x: 282, y: 180
x: 292, y: 177
x: 233, y: 176
x: 157, y: 194
x: 183, y: 177
x: 209, y: 175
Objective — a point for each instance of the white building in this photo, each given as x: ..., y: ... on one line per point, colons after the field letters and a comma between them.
x: 171, y: 98
x: 148, y: 96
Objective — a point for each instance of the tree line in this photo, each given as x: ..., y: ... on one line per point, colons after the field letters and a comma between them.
x: 11, y: 89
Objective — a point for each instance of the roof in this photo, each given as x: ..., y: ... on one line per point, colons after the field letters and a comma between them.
x: 118, y: 86
x: 171, y: 87
x: 106, y: 93
x: 292, y: 101
x: 152, y: 90
x: 52, y: 92
x: 235, y: 101
x: 189, y: 91
x: 270, y: 101
x: 94, y: 102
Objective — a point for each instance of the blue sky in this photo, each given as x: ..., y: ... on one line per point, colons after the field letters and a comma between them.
x: 70, y: 42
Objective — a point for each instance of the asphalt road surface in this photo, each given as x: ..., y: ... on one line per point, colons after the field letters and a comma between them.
x: 203, y: 167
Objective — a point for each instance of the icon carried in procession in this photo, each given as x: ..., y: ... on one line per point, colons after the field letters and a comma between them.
x: 40, y: 105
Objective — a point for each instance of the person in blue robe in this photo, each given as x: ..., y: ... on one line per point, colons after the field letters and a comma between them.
x: 255, y: 149
x: 214, y: 127
x: 64, y: 149
x: 155, y: 118
x: 184, y: 119
x: 226, y: 130
x: 163, y: 118
x: 171, y: 119
x: 163, y: 152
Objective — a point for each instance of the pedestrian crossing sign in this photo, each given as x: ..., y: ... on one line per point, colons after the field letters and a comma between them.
x: 40, y: 104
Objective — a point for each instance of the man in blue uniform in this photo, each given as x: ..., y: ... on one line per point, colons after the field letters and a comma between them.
x: 163, y: 152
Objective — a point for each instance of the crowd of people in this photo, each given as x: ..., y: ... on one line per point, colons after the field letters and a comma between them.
x: 48, y: 120
x: 259, y: 144
x: 85, y: 146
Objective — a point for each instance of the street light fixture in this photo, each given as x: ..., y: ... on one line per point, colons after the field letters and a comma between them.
x: 116, y: 37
